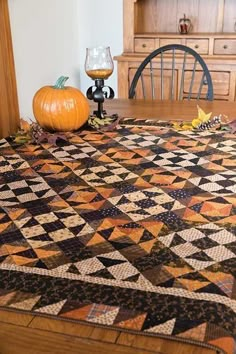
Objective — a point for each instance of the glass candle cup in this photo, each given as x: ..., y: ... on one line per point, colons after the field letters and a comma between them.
x: 98, y: 62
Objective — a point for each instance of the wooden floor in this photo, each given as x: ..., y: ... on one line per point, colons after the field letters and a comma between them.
x: 27, y: 334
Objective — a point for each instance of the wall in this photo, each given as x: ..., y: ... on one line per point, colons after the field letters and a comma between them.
x: 100, y: 23
x: 50, y: 39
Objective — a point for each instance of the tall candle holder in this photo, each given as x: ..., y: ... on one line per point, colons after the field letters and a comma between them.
x: 99, y: 66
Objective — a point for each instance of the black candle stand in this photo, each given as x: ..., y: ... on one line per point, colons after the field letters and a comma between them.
x: 98, y: 93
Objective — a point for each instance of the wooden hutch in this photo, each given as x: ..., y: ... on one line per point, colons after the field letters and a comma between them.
x: 149, y: 24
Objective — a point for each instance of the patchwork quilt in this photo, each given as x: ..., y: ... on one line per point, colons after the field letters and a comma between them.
x: 132, y: 229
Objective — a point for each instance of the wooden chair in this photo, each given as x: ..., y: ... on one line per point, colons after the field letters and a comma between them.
x: 174, y: 72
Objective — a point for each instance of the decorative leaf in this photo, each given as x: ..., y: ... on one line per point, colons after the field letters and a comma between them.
x: 177, y: 126
x: 112, y: 126
x: 202, y: 116
x: 108, y: 123
x: 24, y: 125
x: 49, y: 138
x: 54, y: 137
x: 21, y: 139
x: 187, y: 126
x: 182, y: 126
x: 196, y: 122
x: 233, y: 126
x: 34, y: 133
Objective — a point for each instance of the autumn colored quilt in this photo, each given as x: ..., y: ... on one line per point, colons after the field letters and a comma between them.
x: 132, y: 229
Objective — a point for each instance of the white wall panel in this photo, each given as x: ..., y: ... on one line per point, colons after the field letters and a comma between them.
x: 50, y: 38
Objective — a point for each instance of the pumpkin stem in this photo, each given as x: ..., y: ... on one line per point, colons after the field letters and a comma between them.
x: 61, y: 82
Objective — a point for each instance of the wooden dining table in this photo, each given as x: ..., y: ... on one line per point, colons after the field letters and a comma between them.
x: 166, y: 110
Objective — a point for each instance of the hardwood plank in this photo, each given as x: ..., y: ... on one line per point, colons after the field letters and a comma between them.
x: 128, y: 25
x: 104, y: 335
x: 168, y: 22
x: 220, y: 16
x: 147, y: 11
x: 60, y: 326
x: 9, y: 110
x: 208, y: 23
x: 166, y: 110
x: 123, y: 85
x: 15, y: 340
x: 229, y: 16
x: 75, y: 329
x: 163, y: 345
x: 20, y: 319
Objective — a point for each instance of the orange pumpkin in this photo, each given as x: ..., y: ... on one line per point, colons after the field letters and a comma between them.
x: 59, y: 107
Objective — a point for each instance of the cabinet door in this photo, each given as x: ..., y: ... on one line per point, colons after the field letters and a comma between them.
x: 220, y: 80
x: 147, y: 83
